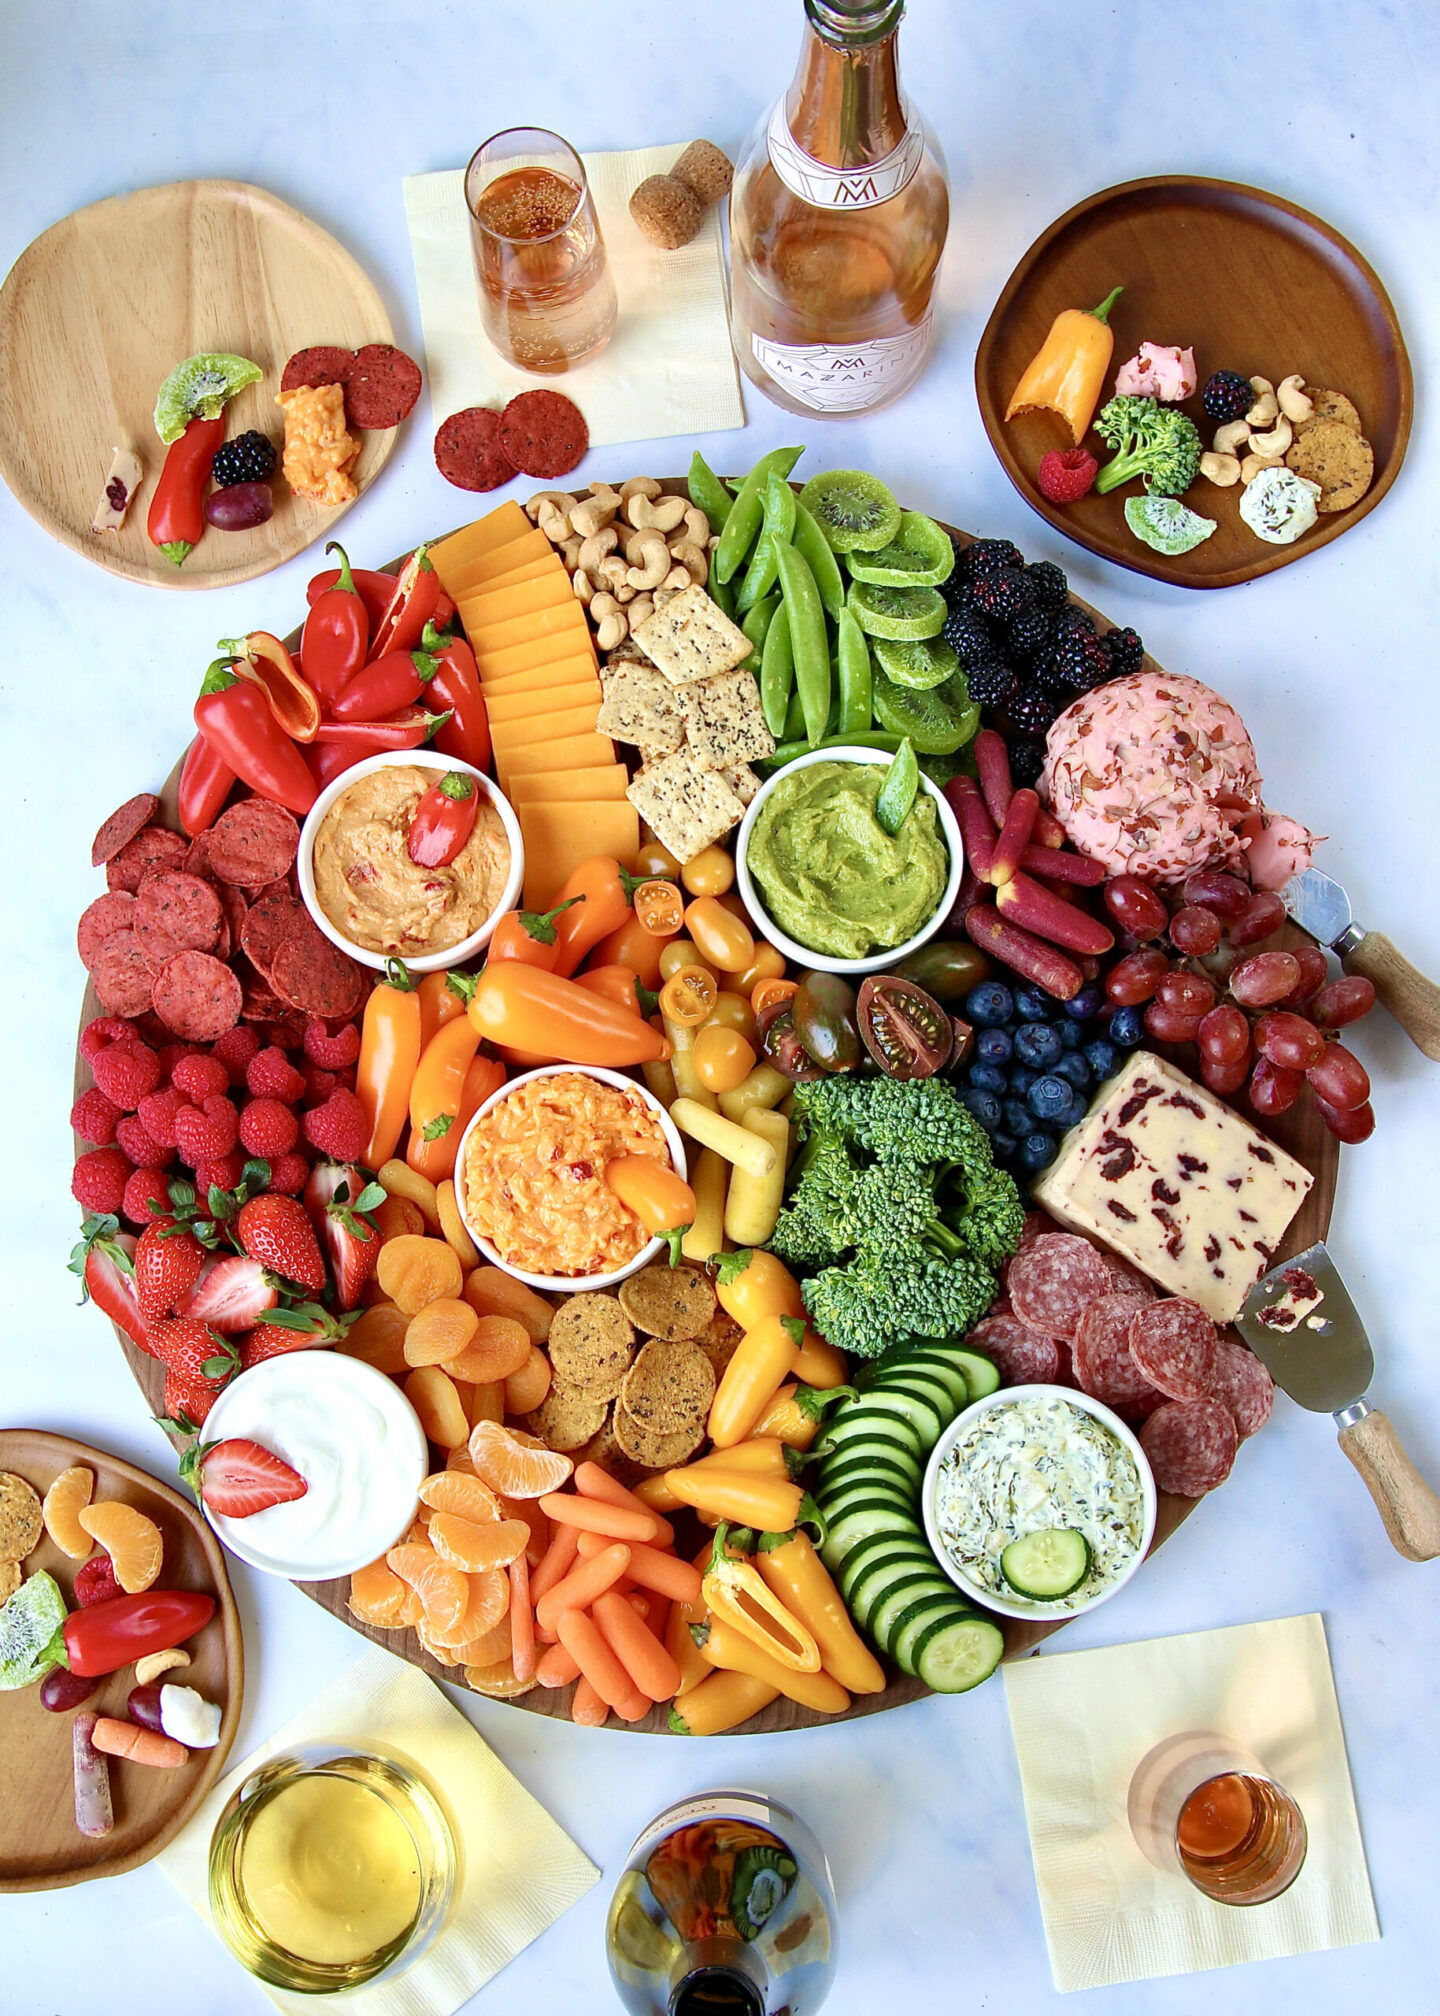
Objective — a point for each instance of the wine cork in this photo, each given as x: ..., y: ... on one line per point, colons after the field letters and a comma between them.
x: 667, y: 211
x: 703, y: 168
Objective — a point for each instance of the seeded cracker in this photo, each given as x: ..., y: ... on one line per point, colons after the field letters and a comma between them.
x: 604, y: 1449
x: 686, y: 808
x: 675, y: 1303
x: 1330, y: 405
x: 741, y: 779
x: 692, y: 638
x: 723, y: 720
x: 641, y: 705
x: 655, y: 1448
x: 720, y: 1340
x: 9, y: 1579
x: 20, y: 1520
x: 591, y: 1345
x: 1333, y: 455
x: 668, y: 1388
x: 566, y: 1418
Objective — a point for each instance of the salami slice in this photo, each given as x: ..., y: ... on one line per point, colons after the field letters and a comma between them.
x: 1191, y: 1445
x: 1241, y: 1383
x: 382, y: 386
x: 197, y: 997
x: 1036, y: 1222
x: 153, y: 847
x: 1125, y: 1279
x: 543, y: 434
x: 468, y: 451
x: 253, y: 843
x: 1103, y: 1365
x: 122, y: 979
x: 314, y: 976
x: 122, y: 826
x: 179, y: 910
x: 321, y: 364
x: 1053, y: 1280
x: 1023, y: 1357
x: 1173, y: 1344
x: 112, y: 912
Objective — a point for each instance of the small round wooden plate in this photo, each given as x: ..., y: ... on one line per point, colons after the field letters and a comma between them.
x: 40, y: 1846
x: 1255, y: 285
x: 102, y: 306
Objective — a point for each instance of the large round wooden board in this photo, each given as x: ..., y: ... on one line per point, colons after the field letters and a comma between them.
x: 1299, y: 1131
x: 1255, y: 285
x: 40, y: 1845
x: 102, y: 306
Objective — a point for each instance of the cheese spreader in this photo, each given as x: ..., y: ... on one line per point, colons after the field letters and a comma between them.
x: 1300, y: 1322
x: 1320, y: 905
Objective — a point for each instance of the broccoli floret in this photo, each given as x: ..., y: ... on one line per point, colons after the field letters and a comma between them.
x: 1153, y: 441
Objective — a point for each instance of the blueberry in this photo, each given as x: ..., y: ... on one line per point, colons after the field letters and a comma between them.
x: 1101, y: 1056
x: 1073, y: 1066
x: 1089, y: 1001
x: 990, y: 1005
x: 993, y: 1046
x: 1021, y: 1079
x: 1018, y: 1117
x: 1033, y: 1006
x: 1036, y: 1152
x: 1038, y: 1044
x: 987, y: 1078
x: 1002, y: 1146
x: 984, y: 1106
x: 1049, y: 1099
x: 1127, y: 1027
x: 1071, y: 1034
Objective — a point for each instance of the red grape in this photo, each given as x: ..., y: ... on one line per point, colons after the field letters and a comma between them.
x: 1135, y: 977
x: 61, y: 1690
x: 1225, y: 894
x: 1135, y: 906
x: 1348, y: 1124
x: 1262, y: 915
x: 1273, y: 1089
x: 239, y: 508
x: 1192, y: 994
x: 1339, y: 1078
x: 1170, y: 1025
x: 1267, y: 978
x: 1225, y: 1078
x: 1289, y: 1041
x: 1224, y: 1038
x: 1312, y: 975
x: 1343, y: 1001
x: 1195, y: 930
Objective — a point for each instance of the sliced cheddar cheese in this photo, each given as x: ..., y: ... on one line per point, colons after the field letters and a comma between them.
x: 563, y: 672
x: 507, y: 521
x: 492, y: 608
x: 567, y: 787
x: 559, y: 837
x: 566, y: 619
x: 526, y: 656
x: 531, y: 545
x: 523, y: 570
x: 540, y: 728
x: 517, y: 707
x: 569, y: 752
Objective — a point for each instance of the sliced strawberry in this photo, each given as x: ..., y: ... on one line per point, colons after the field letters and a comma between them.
x: 168, y: 1262
x: 337, y: 1198
x: 306, y: 1327
x: 276, y: 1232
x: 104, y: 1261
x: 192, y: 1351
x: 239, y: 1478
x: 231, y: 1295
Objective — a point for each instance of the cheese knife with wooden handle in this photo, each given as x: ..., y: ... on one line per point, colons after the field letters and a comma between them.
x: 1321, y: 906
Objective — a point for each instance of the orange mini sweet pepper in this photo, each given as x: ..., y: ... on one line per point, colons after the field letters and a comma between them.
x: 528, y: 1009
x: 1067, y: 372
x: 389, y: 1054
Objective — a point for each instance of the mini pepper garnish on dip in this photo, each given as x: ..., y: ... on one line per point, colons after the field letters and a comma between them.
x: 1067, y: 373
x: 443, y: 820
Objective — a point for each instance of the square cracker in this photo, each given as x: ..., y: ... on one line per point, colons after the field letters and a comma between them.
x: 723, y: 720
x: 686, y: 808
x: 741, y: 779
x: 691, y: 637
x: 641, y: 705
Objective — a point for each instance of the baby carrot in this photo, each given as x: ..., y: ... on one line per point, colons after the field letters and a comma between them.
x: 140, y: 1746
x: 558, y: 1560
x: 555, y: 1667
x: 587, y: 1709
x: 592, y: 1515
x: 522, y: 1621
x: 581, y: 1586
x: 593, y: 1482
x: 580, y: 1635
x: 650, y: 1569
x: 636, y: 1706
x: 644, y: 1658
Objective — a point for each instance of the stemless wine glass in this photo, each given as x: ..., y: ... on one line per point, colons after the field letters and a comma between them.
x: 1205, y: 1807
x: 547, y: 296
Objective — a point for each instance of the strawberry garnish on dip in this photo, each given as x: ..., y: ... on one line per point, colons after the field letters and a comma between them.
x: 238, y: 1478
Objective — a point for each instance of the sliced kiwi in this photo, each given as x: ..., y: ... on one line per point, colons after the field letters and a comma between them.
x: 907, y: 613
x: 956, y: 695
x: 933, y: 727
x: 853, y: 509
x: 199, y: 388
x: 930, y: 662
x: 920, y: 555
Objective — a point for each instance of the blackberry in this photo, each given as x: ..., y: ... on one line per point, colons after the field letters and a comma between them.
x: 1075, y: 619
x: 249, y: 458
x: 1125, y: 651
x: 1227, y: 396
x: 954, y: 585
x: 1027, y: 760
x: 968, y: 634
x: 1002, y: 594
x: 987, y: 556
x: 1033, y: 709
x: 991, y: 683
x: 1081, y: 661
x: 1031, y: 636
x: 1052, y: 590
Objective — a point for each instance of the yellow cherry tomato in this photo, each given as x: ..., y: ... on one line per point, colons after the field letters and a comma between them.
x: 768, y: 964
x: 733, y: 1011
x: 734, y: 902
x: 659, y: 907
x: 653, y: 859
x: 688, y: 996
x: 723, y: 1059
x: 710, y: 873
x: 719, y: 935
x: 680, y: 952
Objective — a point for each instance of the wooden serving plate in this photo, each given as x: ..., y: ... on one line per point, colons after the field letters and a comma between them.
x: 1300, y: 1132
x: 40, y: 1846
x: 102, y: 306
x: 1256, y: 285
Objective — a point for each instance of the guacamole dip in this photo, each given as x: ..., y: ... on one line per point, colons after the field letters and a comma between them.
x: 831, y: 876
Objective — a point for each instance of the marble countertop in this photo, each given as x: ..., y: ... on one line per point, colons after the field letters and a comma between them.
x: 1332, y: 662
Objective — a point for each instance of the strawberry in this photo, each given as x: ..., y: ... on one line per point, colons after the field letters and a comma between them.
x: 337, y: 1198
x: 238, y: 1478
x: 275, y: 1231
x: 198, y: 1362
x: 188, y: 1399
x: 104, y: 1262
x: 230, y: 1295
x: 305, y: 1327
x: 168, y: 1262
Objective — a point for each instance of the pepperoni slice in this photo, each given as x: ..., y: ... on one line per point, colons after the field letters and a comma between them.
x: 122, y: 979
x: 179, y: 910
x: 273, y: 918
x: 1191, y: 1446
x: 153, y: 848
x: 314, y: 976
x: 253, y: 843
x: 321, y: 364
x: 382, y: 387
x: 122, y: 826
x: 197, y: 997
x: 468, y: 451
x: 1103, y: 1365
x: 1173, y: 1344
x: 1053, y: 1280
x: 1241, y: 1383
x: 543, y: 434
x: 112, y: 912
x: 1024, y: 1357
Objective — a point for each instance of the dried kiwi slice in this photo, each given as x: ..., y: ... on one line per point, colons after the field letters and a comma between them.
x: 920, y: 555
x: 930, y: 662
x: 199, y: 388
x: 935, y: 728
x: 853, y: 509
x: 907, y: 613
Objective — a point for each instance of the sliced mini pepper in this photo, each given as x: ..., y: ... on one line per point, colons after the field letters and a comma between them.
x: 412, y: 606
x: 337, y: 630
x: 762, y: 1361
x: 529, y: 936
x: 660, y: 1198
x: 265, y: 660
x: 206, y: 781
x: 239, y: 723
x: 527, y: 1009
x: 389, y: 1056
x: 1067, y: 372
x: 736, y: 1593
x: 443, y: 820
x: 794, y: 1574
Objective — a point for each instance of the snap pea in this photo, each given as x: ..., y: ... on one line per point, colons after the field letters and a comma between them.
x: 744, y: 520
x: 786, y: 752
x: 810, y: 542
x: 854, y: 676
x: 708, y: 493
x: 775, y: 532
x: 756, y: 624
x: 721, y: 594
x: 807, y: 639
x: 777, y: 672
x: 897, y: 793
x: 794, y: 728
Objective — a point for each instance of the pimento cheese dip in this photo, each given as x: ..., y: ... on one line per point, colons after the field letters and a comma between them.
x: 320, y: 451
x: 534, y: 1174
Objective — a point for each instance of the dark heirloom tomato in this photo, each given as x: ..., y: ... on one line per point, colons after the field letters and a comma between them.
x: 945, y: 969
x: 905, y: 1029
x: 823, y: 1012
x: 782, y: 1046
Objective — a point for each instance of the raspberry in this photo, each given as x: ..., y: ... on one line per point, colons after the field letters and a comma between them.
x: 334, y: 1052
x: 319, y: 1083
x: 235, y: 1049
x: 125, y: 1072
x: 200, y: 1077
x: 271, y: 1075
x: 268, y: 1128
x: 104, y: 1030
x: 1066, y: 474
x: 144, y: 1187
x: 339, y: 1128
x: 93, y: 1117
x: 157, y: 1112
x: 170, y: 1055
x: 203, y: 1134
x: 288, y: 1175
x: 99, y: 1178
x: 220, y: 1173
x: 140, y: 1145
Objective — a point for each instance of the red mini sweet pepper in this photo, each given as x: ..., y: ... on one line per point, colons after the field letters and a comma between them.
x: 336, y: 634
x: 406, y: 728
x: 238, y: 722
x: 206, y: 781
x: 384, y: 686
x: 412, y: 606
x: 110, y: 1635
x: 177, y: 515
x: 456, y: 685
x: 443, y: 820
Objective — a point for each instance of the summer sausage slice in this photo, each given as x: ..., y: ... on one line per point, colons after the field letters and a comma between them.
x: 1104, y: 1367
x: 1191, y: 1446
x: 1243, y: 1385
x: 1024, y: 1358
x: 122, y: 826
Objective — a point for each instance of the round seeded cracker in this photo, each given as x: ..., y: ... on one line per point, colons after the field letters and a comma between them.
x: 653, y: 1448
x: 20, y: 1520
x: 9, y: 1579
x: 1328, y: 405
x: 720, y: 1340
x: 1333, y: 455
x: 604, y: 1449
x: 566, y: 1418
x: 591, y: 1345
x: 675, y: 1303
x: 668, y: 1389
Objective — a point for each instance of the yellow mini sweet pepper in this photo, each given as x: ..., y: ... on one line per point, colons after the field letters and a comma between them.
x: 794, y: 1572
x: 722, y: 1645
x: 720, y: 1701
x: 737, y: 1594
x: 762, y: 1361
x: 768, y: 1504
x: 1067, y: 372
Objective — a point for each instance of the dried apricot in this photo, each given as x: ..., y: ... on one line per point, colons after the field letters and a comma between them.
x: 431, y: 1392
x: 488, y: 1402
x: 492, y: 1293
x: 377, y: 1595
x: 378, y: 1339
x: 474, y: 1548
x: 398, y: 1179
x: 525, y: 1389
x: 467, y: 1497
x: 413, y: 1271
x: 398, y: 1218
x: 497, y: 1347
x: 508, y: 1466
x: 453, y: 1225
x: 444, y: 1591
x: 439, y: 1333
x: 131, y: 1540
x: 64, y: 1501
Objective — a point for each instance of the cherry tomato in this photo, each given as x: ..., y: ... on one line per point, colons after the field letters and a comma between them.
x: 688, y: 996
x: 905, y: 1029
x: 720, y: 937
x: 768, y: 964
x: 733, y: 1011
x: 780, y: 1041
x: 824, y: 1015
x: 723, y: 1059
x: 653, y: 859
x: 734, y: 902
x: 946, y: 969
x: 680, y: 952
x: 773, y: 988
x: 659, y: 908
x: 710, y: 873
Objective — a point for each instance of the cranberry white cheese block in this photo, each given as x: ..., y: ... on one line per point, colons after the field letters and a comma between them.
x: 122, y: 480
x: 1165, y: 1174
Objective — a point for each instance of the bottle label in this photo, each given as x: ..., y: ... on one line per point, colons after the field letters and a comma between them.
x: 834, y: 379
x: 827, y: 188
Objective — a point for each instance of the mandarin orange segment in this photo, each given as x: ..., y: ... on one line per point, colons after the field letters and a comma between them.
x: 508, y: 1466
x: 131, y: 1540
x: 473, y: 1548
x: 443, y: 1590
x: 537, y: 1520
x: 525, y: 1389
x: 398, y: 1218
x: 378, y: 1339
x: 431, y: 1392
x: 64, y: 1501
x: 433, y: 1647
x: 439, y: 1333
x: 489, y: 1645
x: 486, y: 1603
x: 458, y: 1461
x: 467, y: 1497
x: 493, y: 1293
x: 410, y: 1614
x: 496, y: 1348
x: 414, y: 1270
x: 497, y: 1681
x: 377, y: 1595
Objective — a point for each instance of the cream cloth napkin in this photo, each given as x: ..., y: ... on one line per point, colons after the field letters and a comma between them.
x: 1082, y: 1721
x: 521, y: 1871
x: 668, y: 368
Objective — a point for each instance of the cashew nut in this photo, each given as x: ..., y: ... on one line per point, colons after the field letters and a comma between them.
x: 561, y: 500
x: 594, y: 549
x: 612, y: 571
x: 1295, y: 402
x: 1261, y: 385
x: 1220, y: 469
x: 677, y: 578
x: 639, y: 609
x: 570, y: 551
x: 1252, y: 465
x: 153, y: 1664
x: 582, y: 584
x: 613, y: 624
x: 694, y: 560
x: 695, y: 531
x: 1276, y: 441
x: 653, y: 564
x: 554, y: 523
x: 664, y: 516
x: 1263, y: 411
x: 1234, y: 434
x: 638, y: 486
x: 624, y: 593
x: 591, y: 513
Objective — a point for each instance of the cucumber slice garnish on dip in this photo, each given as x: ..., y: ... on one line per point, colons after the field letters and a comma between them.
x: 1046, y: 1565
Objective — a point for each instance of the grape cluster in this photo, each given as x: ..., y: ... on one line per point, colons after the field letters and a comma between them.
x: 1266, y: 1019
x: 1032, y: 1068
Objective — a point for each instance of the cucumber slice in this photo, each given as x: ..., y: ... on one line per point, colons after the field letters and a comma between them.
x: 927, y: 663
x: 837, y: 1471
x: 906, y: 613
x: 1047, y: 1564
x: 883, y: 1547
x: 885, y: 1572
x: 874, y: 1449
x: 982, y: 1374
x: 920, y: 555
x: 837, y: 1507
x: 936, y: 1391
x: 942, y: 1607
x: 952, y: 1656
x: 862, y: 1522
x: 885, y: 1608
x: 862, y: 1422
x: 937, y: 1363
x: 898, y: 1402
